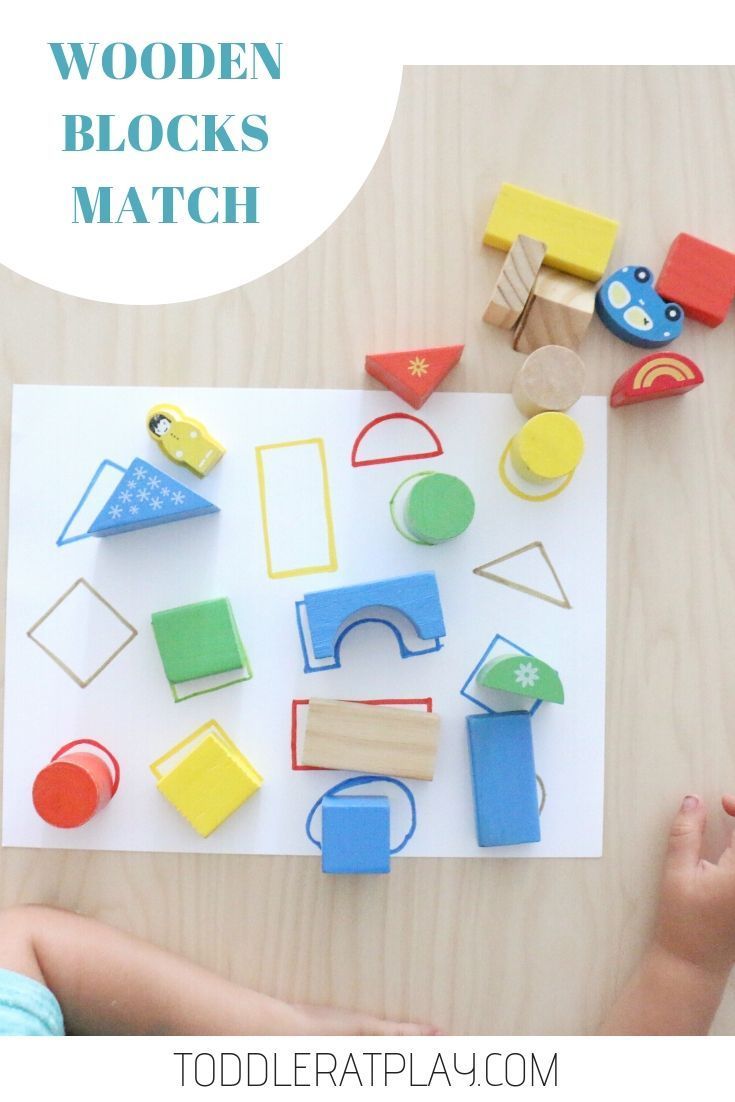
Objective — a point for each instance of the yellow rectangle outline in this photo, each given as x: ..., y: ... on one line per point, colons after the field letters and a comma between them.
x: 327, y: 501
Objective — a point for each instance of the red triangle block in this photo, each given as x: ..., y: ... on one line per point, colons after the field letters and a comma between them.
x: 414, y: 375
x: 657, y: 376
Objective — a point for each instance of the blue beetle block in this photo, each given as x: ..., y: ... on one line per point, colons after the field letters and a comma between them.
x: 146, y: 496
x: 355, y: 834
x: 503, y: 779
x: 632, y: 309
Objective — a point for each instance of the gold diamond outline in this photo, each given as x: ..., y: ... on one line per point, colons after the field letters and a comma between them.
x: 59, y: 662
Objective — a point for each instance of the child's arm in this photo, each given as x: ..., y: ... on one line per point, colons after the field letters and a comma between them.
x: 678, y: 986
x: 109, y: 982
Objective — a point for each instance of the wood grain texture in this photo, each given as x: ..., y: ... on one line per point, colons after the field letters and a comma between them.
x: 550, y: 379
x: 361, y: 738
x: 537, y: 946
x: 515, y: 282
x: 559, y: 311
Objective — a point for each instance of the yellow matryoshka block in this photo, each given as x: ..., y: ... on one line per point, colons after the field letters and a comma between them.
x: 577, y: 241
x: 209, y: 782
x: 183, y: 439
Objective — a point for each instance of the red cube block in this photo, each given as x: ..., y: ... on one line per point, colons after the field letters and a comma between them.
x: 700, y: 277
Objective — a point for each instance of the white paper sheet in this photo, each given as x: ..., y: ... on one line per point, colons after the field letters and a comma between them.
x: 60, y: 436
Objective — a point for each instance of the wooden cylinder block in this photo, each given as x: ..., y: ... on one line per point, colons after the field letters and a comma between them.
x: 551, y: 379
x: 439, y: 508
x: 549, y: 446
x: 70, y: 790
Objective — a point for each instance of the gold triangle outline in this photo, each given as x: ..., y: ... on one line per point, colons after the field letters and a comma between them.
x: 484, y: 572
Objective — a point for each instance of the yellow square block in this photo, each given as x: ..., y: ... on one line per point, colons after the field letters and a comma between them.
x: 577, y: 241
x: 210, y: 782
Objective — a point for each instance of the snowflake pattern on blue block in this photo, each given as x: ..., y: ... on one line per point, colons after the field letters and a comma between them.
x: 146, y: 496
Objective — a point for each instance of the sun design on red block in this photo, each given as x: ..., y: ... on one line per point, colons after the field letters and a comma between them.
x: 418, y: 366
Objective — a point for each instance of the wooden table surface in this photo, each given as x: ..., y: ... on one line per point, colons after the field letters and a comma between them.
x: 476, y: 946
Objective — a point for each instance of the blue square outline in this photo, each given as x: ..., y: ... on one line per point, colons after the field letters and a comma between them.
x: 497, y: 638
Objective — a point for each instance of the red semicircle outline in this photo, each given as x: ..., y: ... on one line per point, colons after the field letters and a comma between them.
x: 438, y: 450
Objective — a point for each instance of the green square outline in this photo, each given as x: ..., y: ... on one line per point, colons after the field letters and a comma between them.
x: 215, y: 688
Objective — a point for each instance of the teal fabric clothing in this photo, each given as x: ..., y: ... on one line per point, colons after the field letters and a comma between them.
x: 27, y: 1008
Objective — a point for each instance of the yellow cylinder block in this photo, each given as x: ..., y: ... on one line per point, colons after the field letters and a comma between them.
x: 549, y: 446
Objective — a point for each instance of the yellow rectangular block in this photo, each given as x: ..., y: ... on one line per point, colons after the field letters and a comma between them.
x: 577, y: 241
x: 210, y: 781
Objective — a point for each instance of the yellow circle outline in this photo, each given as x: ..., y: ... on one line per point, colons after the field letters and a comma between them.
x: 520, y: 493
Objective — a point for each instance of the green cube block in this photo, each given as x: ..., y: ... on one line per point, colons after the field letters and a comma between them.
x: 198, y: 641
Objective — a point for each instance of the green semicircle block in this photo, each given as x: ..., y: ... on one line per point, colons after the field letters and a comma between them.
x: 523, y: 675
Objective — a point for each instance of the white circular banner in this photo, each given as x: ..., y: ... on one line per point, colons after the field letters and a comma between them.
x: 157, y: 157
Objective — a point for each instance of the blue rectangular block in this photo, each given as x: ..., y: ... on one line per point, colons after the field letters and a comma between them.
x: 503, y: 779
x: 415, y: 595
x: 355, y: 834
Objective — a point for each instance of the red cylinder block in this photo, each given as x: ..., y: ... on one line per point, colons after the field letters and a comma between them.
x: 75, y: 786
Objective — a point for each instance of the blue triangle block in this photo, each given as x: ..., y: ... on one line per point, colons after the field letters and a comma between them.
x: 146, y: 496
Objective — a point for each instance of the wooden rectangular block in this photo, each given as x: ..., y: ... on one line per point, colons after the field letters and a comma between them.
x: 559, y: 311
x: 577, y: 241
x: 503, y: 779
x: 700, y: 277
x: 515, y: 282
x: 355, y: 834
x: 365, y: 739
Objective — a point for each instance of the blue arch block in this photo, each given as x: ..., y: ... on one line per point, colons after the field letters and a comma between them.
x: 415, y: 595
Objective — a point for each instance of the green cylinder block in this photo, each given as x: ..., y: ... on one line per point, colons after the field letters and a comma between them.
x: 439, y: 508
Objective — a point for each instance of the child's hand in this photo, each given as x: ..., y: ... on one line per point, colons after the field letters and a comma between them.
x: 679, y: 982
x: 696, y: 917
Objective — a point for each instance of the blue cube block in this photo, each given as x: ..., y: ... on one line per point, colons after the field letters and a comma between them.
x: 503, y: 779
x: 355, y: 834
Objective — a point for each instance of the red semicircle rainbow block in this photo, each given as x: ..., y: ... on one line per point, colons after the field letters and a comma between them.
x: 659, y: 375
